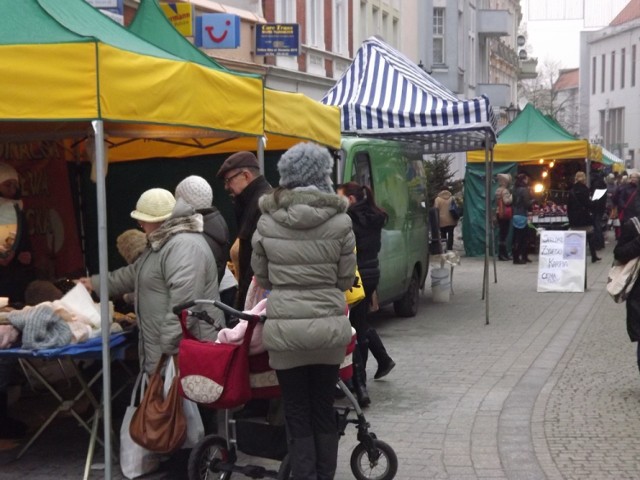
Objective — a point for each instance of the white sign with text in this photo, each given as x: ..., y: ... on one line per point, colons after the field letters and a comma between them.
x: 562, y: 261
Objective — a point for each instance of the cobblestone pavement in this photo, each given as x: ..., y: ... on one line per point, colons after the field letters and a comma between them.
x: 549, y: 389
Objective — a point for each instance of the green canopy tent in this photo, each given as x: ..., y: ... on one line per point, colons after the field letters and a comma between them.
x: 531, y: 137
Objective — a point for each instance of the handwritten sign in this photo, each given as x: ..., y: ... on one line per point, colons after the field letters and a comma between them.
x: 562, y: 261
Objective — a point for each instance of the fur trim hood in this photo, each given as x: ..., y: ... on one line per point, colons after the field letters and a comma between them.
x: 302, y: 208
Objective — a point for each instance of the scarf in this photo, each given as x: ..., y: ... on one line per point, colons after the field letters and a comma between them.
x: 174, y: 226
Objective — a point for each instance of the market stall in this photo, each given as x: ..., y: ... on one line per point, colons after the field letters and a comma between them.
x: 383, y: 94
x: 536, y: 145
x: 72, y: 73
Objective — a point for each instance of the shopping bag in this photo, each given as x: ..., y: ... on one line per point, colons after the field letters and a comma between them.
x: 214, y: 374
x: 159, y: 423
x: 135, y: 460
x: 195, y: 427
x: 622, y: 278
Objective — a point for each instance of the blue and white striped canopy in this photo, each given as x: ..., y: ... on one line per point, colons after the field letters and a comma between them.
x: 383, y: 93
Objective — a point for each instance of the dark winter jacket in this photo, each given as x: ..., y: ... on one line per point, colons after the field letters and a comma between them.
x: 303, y: 252
x: 579, y: 206
x: 247, y: 216
x: 216, y: 233
x: 628, y: 248
x: 367, y: 227
x: 628, y: 200
x: 521, y: 201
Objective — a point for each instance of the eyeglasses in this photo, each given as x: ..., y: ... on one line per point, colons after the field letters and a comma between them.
x: 227, y: 180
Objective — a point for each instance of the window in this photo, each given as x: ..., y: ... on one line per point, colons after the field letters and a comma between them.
x: 623, y: 66
x: 602, y: 75
x: 315, y: 23
x: 613, y: 69
x: 438, y: 36
x: 633, y: 65
x: 593, y: 75
x: 340, y: 29
x: 286, y: 11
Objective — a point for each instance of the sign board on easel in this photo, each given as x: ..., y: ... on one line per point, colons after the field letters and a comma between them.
x: 562, y: 261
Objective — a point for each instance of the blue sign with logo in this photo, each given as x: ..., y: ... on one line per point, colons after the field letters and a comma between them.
x: 218, y: 30
x: 277, y: 39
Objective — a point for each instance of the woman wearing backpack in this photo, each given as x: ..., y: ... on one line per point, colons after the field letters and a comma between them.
x: 447, y: 221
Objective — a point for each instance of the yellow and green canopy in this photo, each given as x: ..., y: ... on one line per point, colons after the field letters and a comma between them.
x: 67, y: 64
x: 532, y: 136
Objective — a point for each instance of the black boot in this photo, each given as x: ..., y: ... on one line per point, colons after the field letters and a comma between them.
x: 385, y: 363
x: 326, y: 455
x: 9, y: 427
x: 502, y: 252
x: 360, y: 380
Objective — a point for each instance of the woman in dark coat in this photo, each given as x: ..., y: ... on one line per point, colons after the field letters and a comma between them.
x: 628, y: 248
x: 367, y: 220
x: 521, y: 204
x: 579, y: 211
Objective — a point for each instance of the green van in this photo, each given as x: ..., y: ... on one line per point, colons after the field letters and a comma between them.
x: 395, y: 172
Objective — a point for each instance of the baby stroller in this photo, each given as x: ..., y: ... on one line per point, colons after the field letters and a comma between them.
x: 215, y: 456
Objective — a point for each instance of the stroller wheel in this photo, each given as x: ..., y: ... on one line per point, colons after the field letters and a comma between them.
x: 284, y: 472
x: 380, y: 464
x: 205, y: 456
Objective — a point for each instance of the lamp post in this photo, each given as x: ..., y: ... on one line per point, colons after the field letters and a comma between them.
x: 512, y: 112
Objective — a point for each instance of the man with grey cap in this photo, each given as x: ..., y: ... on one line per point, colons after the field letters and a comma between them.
x: 244, y: 182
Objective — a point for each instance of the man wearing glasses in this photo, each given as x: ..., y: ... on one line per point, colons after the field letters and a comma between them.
x: 244, y: 182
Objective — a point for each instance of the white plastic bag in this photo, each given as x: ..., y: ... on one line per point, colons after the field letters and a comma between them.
x: 135, y: 460
x: 195, y: 427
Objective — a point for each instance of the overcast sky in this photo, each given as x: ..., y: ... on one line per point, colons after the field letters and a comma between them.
x: 553, y: 26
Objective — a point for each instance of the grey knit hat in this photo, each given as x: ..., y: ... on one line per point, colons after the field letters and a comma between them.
x: 196, y: 191
x: 306, y: 164
x: 41, y: 327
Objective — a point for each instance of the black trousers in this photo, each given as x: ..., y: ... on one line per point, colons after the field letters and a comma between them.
x: 447, y: 232
x: 308, y: 395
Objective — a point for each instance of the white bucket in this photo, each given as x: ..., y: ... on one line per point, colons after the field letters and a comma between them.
x: 440, y: 285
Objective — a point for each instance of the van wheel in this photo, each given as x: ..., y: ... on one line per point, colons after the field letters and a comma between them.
x: 407, y: 306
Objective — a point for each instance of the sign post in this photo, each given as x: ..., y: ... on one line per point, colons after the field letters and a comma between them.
x: 562, y: 261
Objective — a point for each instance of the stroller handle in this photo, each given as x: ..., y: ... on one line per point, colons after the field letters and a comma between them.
x: 222, y: 306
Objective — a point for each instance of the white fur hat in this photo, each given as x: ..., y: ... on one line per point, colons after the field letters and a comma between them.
x: 154, y: 206
x: 7, y: 172
x: 195, y: 191
x: 306, y: 164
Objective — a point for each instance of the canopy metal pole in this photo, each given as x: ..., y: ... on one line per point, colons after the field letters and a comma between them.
x: 493, y: 230
x: 260, y: 141
x: 487, y: 224
x: 588, y: 170
x: 105, y: 320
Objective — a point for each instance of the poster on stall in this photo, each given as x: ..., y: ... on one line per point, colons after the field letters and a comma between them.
x: 48, y: 206
x: 562, y: 265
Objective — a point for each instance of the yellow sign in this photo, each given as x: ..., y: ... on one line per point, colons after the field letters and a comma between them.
x: 181, y: 16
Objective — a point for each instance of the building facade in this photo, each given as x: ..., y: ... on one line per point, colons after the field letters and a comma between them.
x: 566, y: 93
x: 610, y: 85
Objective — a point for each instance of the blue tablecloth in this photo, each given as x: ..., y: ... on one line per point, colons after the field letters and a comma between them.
x: 90, y: 349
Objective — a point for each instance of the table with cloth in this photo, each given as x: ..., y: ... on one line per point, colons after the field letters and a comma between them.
x: 72, y: 354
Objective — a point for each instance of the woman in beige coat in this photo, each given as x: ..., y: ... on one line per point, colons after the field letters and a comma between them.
x: 447, y: 222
